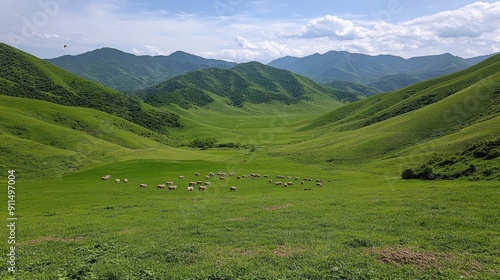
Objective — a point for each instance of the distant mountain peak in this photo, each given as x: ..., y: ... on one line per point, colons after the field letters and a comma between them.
x: 365, y: 69
x: 128, y: 72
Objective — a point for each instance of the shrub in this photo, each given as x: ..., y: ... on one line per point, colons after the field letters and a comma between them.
x: 203, y: 144
x: 408, y: 174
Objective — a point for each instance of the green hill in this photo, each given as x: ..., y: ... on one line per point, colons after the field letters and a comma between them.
x: 357, y: 88
x: 39, y: 138
x: 250, y: 82
x: 443, y: 116
x: 23, y: 75
x: 127, y: 72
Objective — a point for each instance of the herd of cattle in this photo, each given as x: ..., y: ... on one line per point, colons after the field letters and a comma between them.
x: 203, y: 185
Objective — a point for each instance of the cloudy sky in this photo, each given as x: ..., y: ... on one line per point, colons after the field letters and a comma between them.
x: 244, y: 30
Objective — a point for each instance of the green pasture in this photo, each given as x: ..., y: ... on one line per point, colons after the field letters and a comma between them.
x: 361, y: 225
x: 363, y: 222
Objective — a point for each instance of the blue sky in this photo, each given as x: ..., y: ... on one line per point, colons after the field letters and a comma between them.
x: 244, y: 30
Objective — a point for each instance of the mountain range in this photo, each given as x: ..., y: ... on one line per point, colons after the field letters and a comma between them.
x: 127, y: 72
x: 384, y: 72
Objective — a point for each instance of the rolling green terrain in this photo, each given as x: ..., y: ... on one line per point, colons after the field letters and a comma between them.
x: 249, y: 82
x: 23, y: 75
x: 362, y: 222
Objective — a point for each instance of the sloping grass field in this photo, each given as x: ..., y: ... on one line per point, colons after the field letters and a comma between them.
x: 359, y: 225
x: 362, y: 222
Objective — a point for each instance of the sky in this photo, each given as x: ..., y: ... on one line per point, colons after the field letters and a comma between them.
x: 258, y: 30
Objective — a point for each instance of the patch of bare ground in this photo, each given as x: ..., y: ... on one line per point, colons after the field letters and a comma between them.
x: 276, y: 207
x: 283, y: 251
x: 128, y: 230
x: 51, y: 239
x: 401, y: 256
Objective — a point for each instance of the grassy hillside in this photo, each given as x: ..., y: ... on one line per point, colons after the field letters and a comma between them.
x: 251, y: 82
x: 127, y: 72
x: 26, y: 76
x: 39, y: 138
x: 357, y: 88
x: 442, y: 116
x: 479, y: 83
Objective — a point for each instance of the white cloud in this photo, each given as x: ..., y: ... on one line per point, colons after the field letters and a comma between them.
x: 469, y: 31
x: 245, y: 44
x: 48, y: 36
x: 148, y: 50
x: 332, y: 26
x: 263, y: 51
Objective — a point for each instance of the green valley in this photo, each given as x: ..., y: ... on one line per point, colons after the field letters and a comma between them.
x: 356, y: 218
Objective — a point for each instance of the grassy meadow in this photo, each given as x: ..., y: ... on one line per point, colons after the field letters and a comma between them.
x: 364, y: 222
x: 361, y: 225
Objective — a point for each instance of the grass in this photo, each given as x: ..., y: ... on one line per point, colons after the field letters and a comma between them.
x: 366, y: 223
x: 106, y: 230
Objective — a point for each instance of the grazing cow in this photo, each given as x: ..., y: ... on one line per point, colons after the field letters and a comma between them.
x: 285, y: 185
x: 280, y: 177
x: 238, y: 177
x: 231, y: 173
x: 196, y: 174
x: 199, y: 182
x: 181, y: 177
x: 190, y: 189
x: 290, y: 183
x: 222, y: 178
x: 278, y: 183
x: 202, y: 188
x: 232, y: 189
x: 125, y: 181
x: 207, y: 177
x: 161, y: 186
x: 170, y: 183
x: 117, y: 181
x: 208, y: 183
x: 211, y: 174
x: 105, y: 178
x: 192, y: 184
x: 270, y: 181
x: 302, y: 182
x: 319, y: 184
x: 266, y: 176
x: 172, y: 188
x: 297, y: 178
x: 143, y: 186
